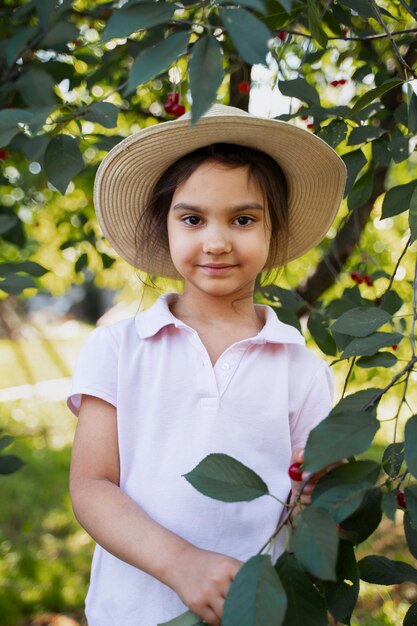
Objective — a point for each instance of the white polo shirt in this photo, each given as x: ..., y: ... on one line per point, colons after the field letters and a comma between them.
x: 257, y: 403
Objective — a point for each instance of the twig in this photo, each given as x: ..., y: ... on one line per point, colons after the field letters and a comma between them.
x: 382, y: 298
x: 413, y: 323
x: 350, y: 38
x: 398, y: 54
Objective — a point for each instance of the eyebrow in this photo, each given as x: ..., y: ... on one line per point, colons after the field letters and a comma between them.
x: 251, y: 206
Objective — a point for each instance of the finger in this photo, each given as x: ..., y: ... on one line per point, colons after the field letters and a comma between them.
x: 209, y: 616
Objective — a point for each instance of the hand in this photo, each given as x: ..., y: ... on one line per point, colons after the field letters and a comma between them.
x: 202, y: 581
x: 305, y: 498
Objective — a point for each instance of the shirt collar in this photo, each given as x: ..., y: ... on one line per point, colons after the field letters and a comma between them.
x: 149, y: 322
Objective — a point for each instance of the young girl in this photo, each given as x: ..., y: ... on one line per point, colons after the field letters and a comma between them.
x: 215, y: 204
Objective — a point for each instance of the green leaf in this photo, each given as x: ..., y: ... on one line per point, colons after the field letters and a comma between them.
x: 315, y: 24
x: 371, y: 95
x: 393, y: 458
x: 410, y: 445
x: 63, y: 161
x: 354, y: 162
x: 380, y: 152
x: 249, y: 35
x: 156, y: 59
x: 410, y: 618
x: 334, y: 133
x: 133, y: 19
x: 107, y: 260
x: 222, y: 477
x: 36, y: 88
x: 314, y: 542
x: 287, y: 316
x: 305, y: 605
x: 5, y: 441
x: 361, y: 190
x: 398, y: 199
x: 411, y: 500
x: 10, y: 463
x: 380, y: 359
x: 288, y: 298
x: 367, y: 346
x: 361, y: 321
x: 7, y: 222
x: 185, y: 619
x: 413, y: 216
x: 61, y: 33
x: 318, y: 326
x: 206, y: 74
x: 364, y: 134
x: 103, y: 113
x: 391, y: 302
x: 256, y: 596
x: 363, y: 8
x: 399, y: 146
x: 28, y: 267
x: 389, y: 505
x: 301, y: 89
x: 410, y: 531
x: 366, y: 519
x: 382, y: 571
x: 81, y: 262
x: 10, y: 120
x: 412, y: 110
x: 348, y: 426
x: 16, y: 284
x: 257, y: 5
x: 347, y: 474
x: 342, y: 500
x: 17, y: 43
x: 342, y: 595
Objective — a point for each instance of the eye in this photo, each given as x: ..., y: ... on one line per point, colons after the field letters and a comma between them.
x: 245, y: 217
x: 195, y: 218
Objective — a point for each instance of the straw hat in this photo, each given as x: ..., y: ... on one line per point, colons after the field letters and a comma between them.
x: 315, y: 174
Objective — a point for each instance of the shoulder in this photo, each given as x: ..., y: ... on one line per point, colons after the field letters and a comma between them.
x: 113, y: 336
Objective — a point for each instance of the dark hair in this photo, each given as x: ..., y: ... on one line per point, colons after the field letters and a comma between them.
x: 151, y: 230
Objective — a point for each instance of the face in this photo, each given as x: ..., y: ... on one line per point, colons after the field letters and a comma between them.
x: 218, y: 230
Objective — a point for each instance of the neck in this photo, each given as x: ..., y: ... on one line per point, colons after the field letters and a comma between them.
x: 213, y: 309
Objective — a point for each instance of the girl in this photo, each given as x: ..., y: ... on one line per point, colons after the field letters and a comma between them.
x: 215, y: 204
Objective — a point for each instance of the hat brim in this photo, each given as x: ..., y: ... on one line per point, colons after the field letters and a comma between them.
x: 316, y: 178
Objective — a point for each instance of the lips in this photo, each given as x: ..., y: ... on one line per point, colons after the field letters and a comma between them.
x: 218, y: 265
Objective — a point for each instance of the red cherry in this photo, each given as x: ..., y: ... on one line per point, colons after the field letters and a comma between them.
x: 310, y: 126
x: 174, y: 97
x: 244, y: 86
x: 334, y: 83
x: 304, y: 117
x: 344, y: 31
x: 343, y: 81
x: 281, y: 35
x: 401, y: 500
x: 4, y: 155
x: 355, y: 276
x: 294, y: 472
x: 168, y: 107
x: 178, y: 110
x: 368, y: 280
x: 360, y: 280
x: 395, y: 346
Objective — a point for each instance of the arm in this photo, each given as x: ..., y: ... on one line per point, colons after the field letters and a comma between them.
x: 119, y: 525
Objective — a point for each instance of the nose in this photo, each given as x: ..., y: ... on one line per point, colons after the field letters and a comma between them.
x: 216, y: 241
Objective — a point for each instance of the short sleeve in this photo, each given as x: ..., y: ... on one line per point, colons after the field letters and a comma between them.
x: 315, y: 406
x: 95, y: 371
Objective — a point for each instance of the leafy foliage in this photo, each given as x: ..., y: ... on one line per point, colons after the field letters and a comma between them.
x: 79, y: 76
